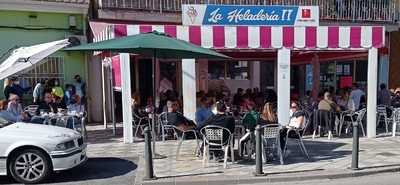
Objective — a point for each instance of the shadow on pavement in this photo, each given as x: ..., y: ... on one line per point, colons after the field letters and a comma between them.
x: 317, y: 150
x: 93, y: 169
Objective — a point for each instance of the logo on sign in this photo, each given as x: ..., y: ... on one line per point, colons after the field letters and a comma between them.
x: 192, y: 13
x: 306, y: 13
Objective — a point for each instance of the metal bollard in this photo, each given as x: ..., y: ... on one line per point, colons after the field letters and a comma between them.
x: 354, y: 159
x: 148, y: 155
x: 259, y: 168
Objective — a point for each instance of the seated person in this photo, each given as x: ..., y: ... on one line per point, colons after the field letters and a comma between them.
x: 246, y: 103
x: 326, y: 113
x: 6, y: 114
x: 396, y: 99
x: 220, y: 119
x: 268, y: 115
x: 250, y: 121
x: 297, y: 120
x: 297, y: 117
x: 177, y: 119
x: 76, y: 105
x: 47, y: 105
x: 327, y: 103
x: 203, y: 111
x: 14, y: 106
x: 11, y: 117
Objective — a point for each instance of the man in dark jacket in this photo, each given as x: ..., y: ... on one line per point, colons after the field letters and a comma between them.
x: 220, y: 119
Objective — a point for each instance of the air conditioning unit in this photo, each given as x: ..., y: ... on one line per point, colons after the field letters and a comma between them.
x: 76, y: 40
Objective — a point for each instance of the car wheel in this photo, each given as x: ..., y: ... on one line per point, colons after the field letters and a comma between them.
x: 29, y: 166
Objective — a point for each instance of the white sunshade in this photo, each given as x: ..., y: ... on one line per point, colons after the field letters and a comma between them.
x: 24, y: 58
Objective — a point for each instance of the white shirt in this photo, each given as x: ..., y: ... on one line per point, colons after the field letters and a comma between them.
x: 355, y: 95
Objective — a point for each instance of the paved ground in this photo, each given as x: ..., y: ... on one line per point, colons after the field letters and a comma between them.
x: 379, y: 179
x: 112, y: 162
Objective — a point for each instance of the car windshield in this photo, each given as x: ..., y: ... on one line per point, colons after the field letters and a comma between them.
x: 4, y: 122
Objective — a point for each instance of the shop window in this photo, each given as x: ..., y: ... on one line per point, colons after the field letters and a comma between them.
x: 233, y: 70
x: 50, y: 68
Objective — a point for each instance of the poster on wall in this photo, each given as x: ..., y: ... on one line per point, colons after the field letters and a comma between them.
x: 202, y: 14
x: 346, y: 81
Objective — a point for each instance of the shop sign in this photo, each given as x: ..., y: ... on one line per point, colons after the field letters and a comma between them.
x: 250, y: 15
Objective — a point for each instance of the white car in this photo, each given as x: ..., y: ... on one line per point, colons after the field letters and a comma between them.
x: 30, y: 152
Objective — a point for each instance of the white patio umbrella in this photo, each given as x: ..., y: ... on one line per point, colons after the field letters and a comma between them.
x: 24, y: 58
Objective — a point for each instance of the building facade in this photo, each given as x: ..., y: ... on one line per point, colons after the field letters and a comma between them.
x: 257, y: 69
x: 25, y: 23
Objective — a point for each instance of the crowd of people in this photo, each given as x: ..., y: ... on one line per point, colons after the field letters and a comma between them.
x: 253, y: 107
x: 47, y: 95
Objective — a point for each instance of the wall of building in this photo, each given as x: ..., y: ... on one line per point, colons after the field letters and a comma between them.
x: 18, y: 28
x: 394, y: 60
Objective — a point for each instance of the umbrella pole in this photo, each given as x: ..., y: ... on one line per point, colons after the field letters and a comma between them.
x: 154, y: 119
x: 112, y: 99
x: 153, y: 122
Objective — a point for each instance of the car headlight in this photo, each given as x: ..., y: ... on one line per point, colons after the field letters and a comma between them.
x: 65, y: 146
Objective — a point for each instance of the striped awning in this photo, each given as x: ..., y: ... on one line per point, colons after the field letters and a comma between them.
x: 260, y: 37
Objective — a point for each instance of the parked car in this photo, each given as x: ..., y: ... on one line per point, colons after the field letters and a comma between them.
x: 31, y: 152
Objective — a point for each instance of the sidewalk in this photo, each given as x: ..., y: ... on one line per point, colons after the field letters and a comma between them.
x: 329, y: 159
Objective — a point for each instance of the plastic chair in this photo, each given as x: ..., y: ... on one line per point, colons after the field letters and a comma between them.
x: 382, y: 112
x: 396, y: 120
x: 271, y: 131
x: 219, y: 138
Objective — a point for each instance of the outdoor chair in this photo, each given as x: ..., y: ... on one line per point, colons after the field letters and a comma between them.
x: 297, y: 134
x: 217, y: 138
x: 271, y: 133
x: 31, y: 109
x: 357, y: 116
x: 139, y: 122
x: 240, y: 130
x: 165, y: 126
x: 343, y: 115
x: 396, y: 120
x: 323, y: 120
x: 382, y: 113
x: 308, y: 118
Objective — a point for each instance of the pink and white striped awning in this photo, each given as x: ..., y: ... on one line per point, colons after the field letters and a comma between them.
x: 261, y: 37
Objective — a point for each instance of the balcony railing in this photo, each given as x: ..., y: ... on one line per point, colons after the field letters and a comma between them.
x: 335, y: 10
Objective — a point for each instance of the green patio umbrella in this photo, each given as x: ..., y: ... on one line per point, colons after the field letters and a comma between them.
x: 152, y: 44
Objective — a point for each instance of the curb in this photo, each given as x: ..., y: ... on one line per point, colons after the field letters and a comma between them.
x: 226, y: 179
